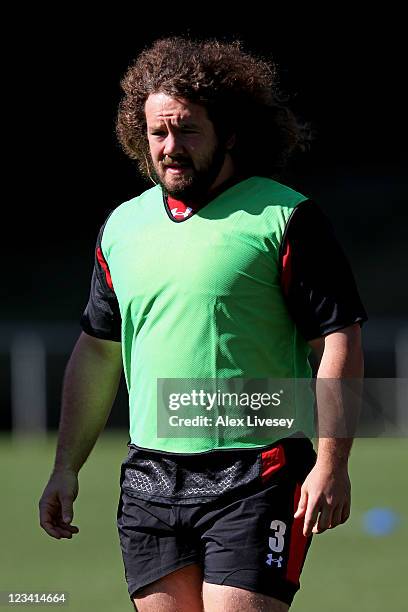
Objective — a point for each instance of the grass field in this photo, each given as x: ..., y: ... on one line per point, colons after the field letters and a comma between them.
x: 346, y: 570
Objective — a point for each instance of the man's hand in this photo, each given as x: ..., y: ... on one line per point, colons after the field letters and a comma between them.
x: 56, y: 504
x: 325, y: 498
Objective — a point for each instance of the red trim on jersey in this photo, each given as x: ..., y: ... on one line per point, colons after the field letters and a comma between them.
x: 272, y: 460
x: 298, y: 543
x: 173, y: 202
x: 104, y: 266
x: 286, y: 268
x: 180, y: 208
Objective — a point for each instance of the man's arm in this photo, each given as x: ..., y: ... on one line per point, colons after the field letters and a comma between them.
x: 90, y: 385
x: 325, y: 496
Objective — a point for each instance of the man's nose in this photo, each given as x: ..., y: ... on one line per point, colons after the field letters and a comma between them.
x: 172, y: 145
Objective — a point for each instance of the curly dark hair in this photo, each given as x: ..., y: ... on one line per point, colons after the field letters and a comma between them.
x: 239, y: 91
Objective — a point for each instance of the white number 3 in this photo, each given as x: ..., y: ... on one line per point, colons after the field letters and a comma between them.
x: 277, y: 542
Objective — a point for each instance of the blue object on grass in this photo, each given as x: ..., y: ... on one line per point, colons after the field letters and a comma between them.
x: 380, y: 521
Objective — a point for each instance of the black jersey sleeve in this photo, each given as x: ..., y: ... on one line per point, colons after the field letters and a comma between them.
x: 101, y: 317
x: 316, y: 277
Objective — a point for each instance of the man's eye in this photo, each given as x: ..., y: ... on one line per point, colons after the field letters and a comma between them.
x: 158, y: 133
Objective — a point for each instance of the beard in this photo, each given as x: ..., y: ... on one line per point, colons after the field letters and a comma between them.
x: 197, y: 184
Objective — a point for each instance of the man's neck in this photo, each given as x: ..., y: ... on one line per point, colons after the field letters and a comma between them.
x: 225, y: 175
x: 214, y: 192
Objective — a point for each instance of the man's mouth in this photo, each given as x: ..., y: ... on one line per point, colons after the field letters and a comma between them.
x: 176, y: 168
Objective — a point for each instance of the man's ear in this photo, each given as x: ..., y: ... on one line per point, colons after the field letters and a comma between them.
x: 231, y: 141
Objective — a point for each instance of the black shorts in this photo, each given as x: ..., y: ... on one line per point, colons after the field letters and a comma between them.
x: 246, y: 538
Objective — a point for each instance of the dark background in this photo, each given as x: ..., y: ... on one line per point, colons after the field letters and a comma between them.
x: 344, y: 74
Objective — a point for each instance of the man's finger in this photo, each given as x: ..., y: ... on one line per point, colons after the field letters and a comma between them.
x: 68, y: 527
x: 50, y: 529
x: 302, y: 505
x: 312, y: 511
x: 58, y: 531
x: 65, y: 531
x: 48, y: 513
x: 345, y: 512
x: 67, y: 509
x: 324, y: 520
x: 336, y: 517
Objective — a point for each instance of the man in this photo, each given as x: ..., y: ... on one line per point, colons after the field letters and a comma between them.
x: 217, y: 272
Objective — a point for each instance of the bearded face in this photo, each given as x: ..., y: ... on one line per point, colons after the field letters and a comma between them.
x: 186, y: 154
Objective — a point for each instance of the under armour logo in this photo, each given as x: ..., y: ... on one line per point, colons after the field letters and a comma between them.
x: 271, y: 560
x: 176, y: 213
